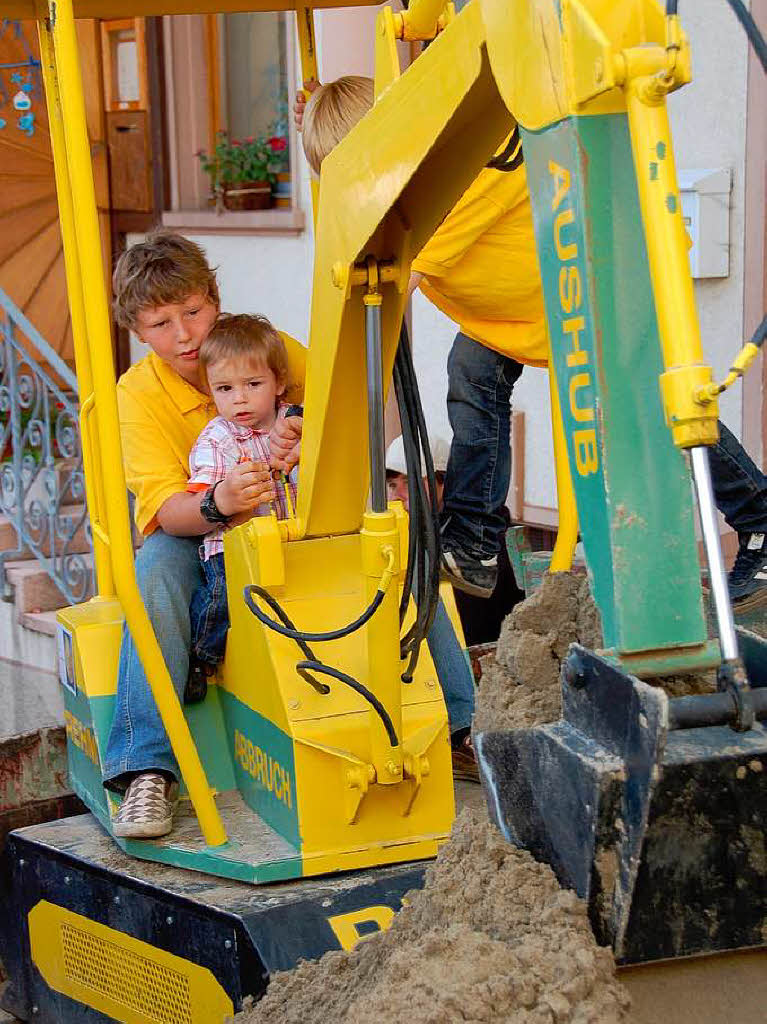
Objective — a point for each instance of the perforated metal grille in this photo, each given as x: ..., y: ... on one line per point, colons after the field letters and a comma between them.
x: 157, y: 993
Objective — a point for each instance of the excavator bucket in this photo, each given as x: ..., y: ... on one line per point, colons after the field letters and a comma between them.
x: 653, y: 809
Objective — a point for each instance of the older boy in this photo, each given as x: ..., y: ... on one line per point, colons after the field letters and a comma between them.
x: 166, y: 293
x: 480, y: 268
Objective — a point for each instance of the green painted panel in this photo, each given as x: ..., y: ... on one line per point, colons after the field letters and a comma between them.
x: 84, y: 740
x: 656, y: 570
x: 264, y: 768
x: 632, y: 485
x: 553, y: 165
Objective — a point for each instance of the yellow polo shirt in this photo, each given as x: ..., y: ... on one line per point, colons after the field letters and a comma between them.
x: 480, y: 267
x: 161, y: 416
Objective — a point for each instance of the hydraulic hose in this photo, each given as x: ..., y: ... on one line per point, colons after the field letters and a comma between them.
x: 422, y: 574
x: 328, y: 670
x: 755, y: 37
x: 746, y: 20
x: 285, y: 627
x: 740, y: 364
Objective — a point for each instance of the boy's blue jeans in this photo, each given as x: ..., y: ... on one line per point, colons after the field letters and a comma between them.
x: 169, y: 571
x: 480, y: 383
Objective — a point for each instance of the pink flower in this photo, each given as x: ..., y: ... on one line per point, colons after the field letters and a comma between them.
x: 278, y: 144
x: 250, y: 139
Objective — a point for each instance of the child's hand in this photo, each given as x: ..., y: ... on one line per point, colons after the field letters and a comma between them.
x: 245, y: 487
x: 302, y: 98
x: 285, y: 443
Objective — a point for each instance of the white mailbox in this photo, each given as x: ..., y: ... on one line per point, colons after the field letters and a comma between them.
x: 706, y: 212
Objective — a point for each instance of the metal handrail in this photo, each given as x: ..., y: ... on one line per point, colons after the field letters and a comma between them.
x: 41, y: 460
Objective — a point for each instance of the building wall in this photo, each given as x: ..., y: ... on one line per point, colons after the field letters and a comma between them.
x: 272, y: 275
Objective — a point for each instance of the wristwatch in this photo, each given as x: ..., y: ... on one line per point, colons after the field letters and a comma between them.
x: 209, y: 509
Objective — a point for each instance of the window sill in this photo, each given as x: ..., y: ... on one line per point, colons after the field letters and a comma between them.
x: 246, y: 222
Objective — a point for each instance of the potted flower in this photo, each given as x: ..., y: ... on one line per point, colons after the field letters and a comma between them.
x: 242, y: 171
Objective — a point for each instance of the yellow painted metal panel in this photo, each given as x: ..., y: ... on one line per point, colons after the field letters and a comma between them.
x: 450, y: 95
x: 122, y: 977
x: 346, y: 818
x: 98, y: 627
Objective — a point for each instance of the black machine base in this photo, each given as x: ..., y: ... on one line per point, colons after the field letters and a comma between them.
x: 146, y: 927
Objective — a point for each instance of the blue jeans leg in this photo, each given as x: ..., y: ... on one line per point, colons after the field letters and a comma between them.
x: 740, y: 487
x: 453, y: 670
x: 168, y: 572
x: 480, y: 382
x: 210, y: 613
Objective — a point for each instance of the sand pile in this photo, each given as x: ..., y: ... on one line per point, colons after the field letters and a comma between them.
x: 520, y: 683
x: 490, y: 938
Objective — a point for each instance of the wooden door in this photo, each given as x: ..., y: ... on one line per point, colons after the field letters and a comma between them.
x: 31, y: 254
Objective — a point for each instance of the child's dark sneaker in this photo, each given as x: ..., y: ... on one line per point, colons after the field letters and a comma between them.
x: 748, y: 577
x: 473, y: 575
x: 197, y: 681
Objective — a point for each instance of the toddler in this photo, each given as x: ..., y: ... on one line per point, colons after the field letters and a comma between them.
x: 245, y: 365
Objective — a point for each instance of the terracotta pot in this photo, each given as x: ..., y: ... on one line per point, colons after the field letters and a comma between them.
x: 248, y: 195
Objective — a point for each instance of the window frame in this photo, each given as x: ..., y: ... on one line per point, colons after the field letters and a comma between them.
x: 192, y: 80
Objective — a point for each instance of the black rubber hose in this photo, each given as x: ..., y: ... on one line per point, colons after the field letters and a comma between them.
x: 422, y: 572
x: 399, y: 386
x: 755, y: 37
x: 745, y: 18
x: 334, y: 673
x: 429, y: 553
x: 760, y: 334
x: 300, y: 636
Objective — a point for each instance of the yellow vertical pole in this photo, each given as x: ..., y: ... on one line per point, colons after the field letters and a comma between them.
x: 567, y: 533
x: 107, y: 430
x: 691, y: 422
x: 94, y: 492
x: 309, y: 70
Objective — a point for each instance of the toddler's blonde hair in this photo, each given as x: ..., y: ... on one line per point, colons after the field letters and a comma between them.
x: 245, y: 336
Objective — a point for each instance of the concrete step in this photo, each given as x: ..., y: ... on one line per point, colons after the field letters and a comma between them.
x: 35, y: 591
x: 24, y: 646
x: 69, y: 517
x: 39, y: 622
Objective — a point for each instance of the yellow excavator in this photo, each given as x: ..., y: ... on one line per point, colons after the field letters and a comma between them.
x: 339, y: 760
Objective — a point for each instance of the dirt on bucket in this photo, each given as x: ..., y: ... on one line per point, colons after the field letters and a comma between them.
x: 520, y: 684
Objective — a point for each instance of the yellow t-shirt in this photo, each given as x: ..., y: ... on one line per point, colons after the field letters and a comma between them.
x: 480, y: 267
x: 161, y: 416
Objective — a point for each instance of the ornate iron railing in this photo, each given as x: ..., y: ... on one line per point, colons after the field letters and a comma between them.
x: 42, y: 487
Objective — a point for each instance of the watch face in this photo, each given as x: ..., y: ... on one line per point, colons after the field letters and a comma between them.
x: 210, y: 511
